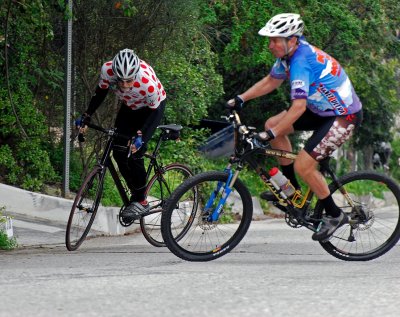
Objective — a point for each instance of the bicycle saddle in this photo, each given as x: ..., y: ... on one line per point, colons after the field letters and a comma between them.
x: 170, y: 131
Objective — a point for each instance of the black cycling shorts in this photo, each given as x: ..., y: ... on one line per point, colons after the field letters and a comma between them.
x: 329, y: 132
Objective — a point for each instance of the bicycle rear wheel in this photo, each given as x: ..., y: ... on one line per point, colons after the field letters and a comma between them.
x: 374, y: 226
x: 84, y: 209
x: 159, y: 189
x: 205, y: 240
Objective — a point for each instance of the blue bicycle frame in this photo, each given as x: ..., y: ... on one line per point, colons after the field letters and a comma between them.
x: 227, y: 189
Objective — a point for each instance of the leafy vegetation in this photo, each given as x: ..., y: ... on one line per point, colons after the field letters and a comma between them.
x: 6, y: 243
x: 204, y: 52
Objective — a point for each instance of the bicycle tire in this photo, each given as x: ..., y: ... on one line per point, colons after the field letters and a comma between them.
x: 159, y: 188
x: 379, y: 196
x: 203, y: 240
x: 84, y: 209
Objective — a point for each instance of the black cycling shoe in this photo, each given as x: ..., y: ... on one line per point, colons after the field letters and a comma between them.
x: 268, y: 196
x: 135, y: 211
x: 329, y: 225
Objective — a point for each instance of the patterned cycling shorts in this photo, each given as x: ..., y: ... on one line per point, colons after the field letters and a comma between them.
x: 329, y: 132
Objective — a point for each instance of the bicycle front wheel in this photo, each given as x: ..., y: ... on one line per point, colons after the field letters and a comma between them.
x: 84, y: 209
x: 374, y: 226
x: 159, y: 189
x: 206, y: 240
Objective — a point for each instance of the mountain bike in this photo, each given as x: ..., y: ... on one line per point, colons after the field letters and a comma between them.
x: 161, y: 181
x: 223, y: 206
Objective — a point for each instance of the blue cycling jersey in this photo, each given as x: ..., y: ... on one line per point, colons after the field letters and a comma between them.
x: 319, y: 78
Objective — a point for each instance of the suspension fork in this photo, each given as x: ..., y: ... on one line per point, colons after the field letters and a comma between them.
x: 226, y: 189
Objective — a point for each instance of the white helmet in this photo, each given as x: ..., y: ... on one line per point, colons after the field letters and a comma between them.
x: 283, y: 25
x: 126, y: 64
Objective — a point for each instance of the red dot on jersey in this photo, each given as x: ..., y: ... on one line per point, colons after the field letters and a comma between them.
x: 109, y: 64
x: 143, y: 66
x: 147, y: 73
x: 159, y: 85
x: 110, y: 72
x: 152, y: 76
x: 163, y: 92
x: 127, y: 97
x: 150, y: 89
x: 136, y: 84
x: 145, y: 80
x: 103, y: 86
x: 142, y: 92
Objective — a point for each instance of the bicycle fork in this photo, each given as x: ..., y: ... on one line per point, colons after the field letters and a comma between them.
x: 225, y: 188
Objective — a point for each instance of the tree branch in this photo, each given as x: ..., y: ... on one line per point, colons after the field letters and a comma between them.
x: 7, y: 73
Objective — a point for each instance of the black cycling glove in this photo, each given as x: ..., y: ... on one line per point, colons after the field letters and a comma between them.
x: 236, y: 103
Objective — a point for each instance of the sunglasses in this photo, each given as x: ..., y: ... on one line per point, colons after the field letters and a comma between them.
x: 128, y: 81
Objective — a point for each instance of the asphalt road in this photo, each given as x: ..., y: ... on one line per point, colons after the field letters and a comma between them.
x: 275, y: 271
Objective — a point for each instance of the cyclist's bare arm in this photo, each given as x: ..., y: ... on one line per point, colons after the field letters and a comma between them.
x: 263, y: 87
x: 285, y: 125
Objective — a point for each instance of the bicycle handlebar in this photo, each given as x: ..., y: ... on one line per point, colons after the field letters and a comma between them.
x: 249, y: 134
x: 169, y: 132
x: 110, y: 132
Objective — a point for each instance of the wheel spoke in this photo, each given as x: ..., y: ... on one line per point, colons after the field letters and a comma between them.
x: 377, y: 196
x: 84, y: 210
x: 158, y: 191
x: 204, y: 240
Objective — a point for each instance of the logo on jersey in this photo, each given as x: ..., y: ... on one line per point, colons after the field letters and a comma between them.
x: 323, y: 58
x: 297, y: 84
x: 332, y: 97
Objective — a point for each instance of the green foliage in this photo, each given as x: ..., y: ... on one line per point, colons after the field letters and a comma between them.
x: 8, y: 167
x: 394, y: 159
x: 199, y: 50
x: 6, y: 243
x: 23, y: 126
x: 192, y: 85
x: 360, y: 34
x: 111, y: 196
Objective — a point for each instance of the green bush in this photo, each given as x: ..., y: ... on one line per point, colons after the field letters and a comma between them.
x: 5, y: 242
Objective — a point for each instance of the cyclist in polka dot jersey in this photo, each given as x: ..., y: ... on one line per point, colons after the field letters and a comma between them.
x: 143, y: 101
x: 147, y: 90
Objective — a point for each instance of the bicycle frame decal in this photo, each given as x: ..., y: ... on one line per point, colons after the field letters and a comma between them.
x: 281, y: 153
x: 226, y: 191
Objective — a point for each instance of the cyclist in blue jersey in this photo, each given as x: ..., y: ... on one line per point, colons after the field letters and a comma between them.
x: 323, y: 100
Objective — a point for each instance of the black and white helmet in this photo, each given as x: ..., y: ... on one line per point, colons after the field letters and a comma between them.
x: 126, y: 64
x: 283, y: 25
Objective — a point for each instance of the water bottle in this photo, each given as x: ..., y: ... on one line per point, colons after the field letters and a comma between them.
x: 282, y: 182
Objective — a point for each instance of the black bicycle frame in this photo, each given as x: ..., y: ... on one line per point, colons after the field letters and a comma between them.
x: 106, y: 161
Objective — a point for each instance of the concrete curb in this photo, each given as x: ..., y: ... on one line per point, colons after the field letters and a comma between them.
x: 20, y: 201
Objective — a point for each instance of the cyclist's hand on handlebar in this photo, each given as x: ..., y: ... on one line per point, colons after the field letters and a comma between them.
x: 236, y: 103
x: 80, y: 124
x: 265, y: 136
x: 136, y: 143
